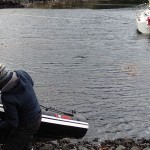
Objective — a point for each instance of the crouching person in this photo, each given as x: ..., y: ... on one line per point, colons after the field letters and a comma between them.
x: 22, y: 110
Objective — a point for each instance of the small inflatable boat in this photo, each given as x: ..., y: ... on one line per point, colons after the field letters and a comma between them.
x: 143, y: 18
x: 58, y: 124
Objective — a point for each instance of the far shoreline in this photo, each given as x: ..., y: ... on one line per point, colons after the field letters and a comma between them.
x: 95, y: 6
x: 53, y: 5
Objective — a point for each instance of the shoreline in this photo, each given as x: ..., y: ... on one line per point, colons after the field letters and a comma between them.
x: 74, y: 144
x: 51, y: 5
x: 97, y: 6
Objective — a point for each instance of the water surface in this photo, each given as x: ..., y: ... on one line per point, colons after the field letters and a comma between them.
x: 92, y: 61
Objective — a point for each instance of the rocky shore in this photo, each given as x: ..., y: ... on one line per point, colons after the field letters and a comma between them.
x: 73, y: 144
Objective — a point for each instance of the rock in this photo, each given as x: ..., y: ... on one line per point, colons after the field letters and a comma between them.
x: 55, y: 143
x: 120, y: 147
x: 134, y: 148
x: 64, y: 141
x: 47, y: 147
x: 128, y: 142
x: 111, y: 148
x: 95, y: 140
x: 147, y: 148
x: 69, y: 147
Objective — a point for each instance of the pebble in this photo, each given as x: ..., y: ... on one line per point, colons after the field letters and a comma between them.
x: 134, y: 148
x: 120, y: 147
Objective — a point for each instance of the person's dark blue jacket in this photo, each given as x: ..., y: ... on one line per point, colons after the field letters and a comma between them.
x: 20, y: 103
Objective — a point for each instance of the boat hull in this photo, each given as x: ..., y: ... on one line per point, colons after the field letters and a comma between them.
x: 143, y: 19
x: 142, y: 27
x: 60, y: 131
x: 56, y: 127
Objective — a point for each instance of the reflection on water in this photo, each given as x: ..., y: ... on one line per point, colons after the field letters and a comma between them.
x: 92, y: 61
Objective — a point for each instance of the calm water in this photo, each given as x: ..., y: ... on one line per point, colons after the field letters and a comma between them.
x: 92, y: 61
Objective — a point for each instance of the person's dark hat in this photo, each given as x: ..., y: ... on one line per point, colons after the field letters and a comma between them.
x: 5, y: 76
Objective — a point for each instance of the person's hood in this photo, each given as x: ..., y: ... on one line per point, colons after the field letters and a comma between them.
x: 15, y: 85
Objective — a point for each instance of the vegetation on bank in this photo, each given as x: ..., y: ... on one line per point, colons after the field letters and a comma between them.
x: 10, y: 4
x: 94, y: 4
x: 64, y: 3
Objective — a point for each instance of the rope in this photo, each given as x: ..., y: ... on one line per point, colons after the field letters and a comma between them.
x: 59, y: 111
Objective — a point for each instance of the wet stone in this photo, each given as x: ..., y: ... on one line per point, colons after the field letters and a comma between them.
x: 134, y: 148
x: 121, y: 147
x: 69, y: 146
x: 82, y: 148
x: 54, y: 143
x: 111, y: 148
x: 147, y: 148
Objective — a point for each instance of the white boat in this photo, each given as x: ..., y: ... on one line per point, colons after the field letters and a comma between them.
x: 143, y: 18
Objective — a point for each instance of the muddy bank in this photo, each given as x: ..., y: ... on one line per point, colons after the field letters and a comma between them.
x: 73, y: 144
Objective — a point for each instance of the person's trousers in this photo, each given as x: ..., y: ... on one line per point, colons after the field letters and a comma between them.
x: 21, y: 137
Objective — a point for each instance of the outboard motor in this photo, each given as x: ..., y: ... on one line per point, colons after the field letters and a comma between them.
x: 148, y: 21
